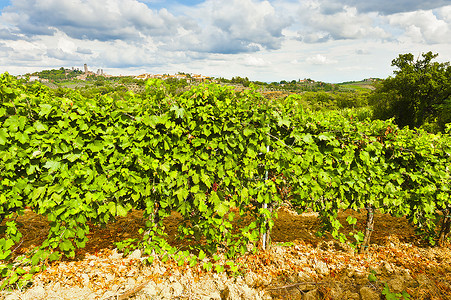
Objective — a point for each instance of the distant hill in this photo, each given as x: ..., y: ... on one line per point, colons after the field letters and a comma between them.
x: 57, y: 74
x: 366, y: 84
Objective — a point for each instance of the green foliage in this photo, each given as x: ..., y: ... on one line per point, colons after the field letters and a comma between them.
x: 372, y: 276
x: 307, y: 85
x: 76, y: 159
x: 321, y: 100
x: 203, y: 154
x: 394, y: 296
x: 58, y: 74
x: 386, y: 290
x: 418, y: 95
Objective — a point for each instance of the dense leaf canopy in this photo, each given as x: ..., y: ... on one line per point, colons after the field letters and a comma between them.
x: 418, y: 95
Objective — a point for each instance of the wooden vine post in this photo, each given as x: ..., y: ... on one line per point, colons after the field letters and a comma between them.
x: 446, y: 226
x: 368, y: 229
x: 266, y: 237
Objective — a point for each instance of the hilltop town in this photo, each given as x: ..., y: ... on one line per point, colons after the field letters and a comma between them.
x: 100, y: 82
x: 85, y: 74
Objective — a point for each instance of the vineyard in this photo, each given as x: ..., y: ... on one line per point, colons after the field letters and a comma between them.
x: 223, y: 160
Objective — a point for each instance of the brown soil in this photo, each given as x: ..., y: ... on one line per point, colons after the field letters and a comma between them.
x: 299, y: 265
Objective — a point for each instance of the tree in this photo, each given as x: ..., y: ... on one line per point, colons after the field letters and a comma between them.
x: 418, y: 95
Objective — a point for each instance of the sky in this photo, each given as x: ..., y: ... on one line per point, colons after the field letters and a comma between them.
x: 274, y: 40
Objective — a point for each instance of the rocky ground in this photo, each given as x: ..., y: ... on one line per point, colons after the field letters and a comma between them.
x: 299, y: 265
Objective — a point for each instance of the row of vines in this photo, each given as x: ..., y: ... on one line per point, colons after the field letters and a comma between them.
x: 214, y: 155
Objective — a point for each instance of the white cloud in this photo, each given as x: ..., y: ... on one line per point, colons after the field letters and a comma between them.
x: 233, y: 27
x: 83, y: 50
x: 4, y: 50
x: 94, y: 19
x: 362, y: 51
x: 444, y: 13
x: 320, y: 59
x: 254, y: 61
x: 62, y: 55
x: 329, y: 40
x: 213, y: 27
x: 388, y: 7
x: 424, y: 26
x: 251, y: 21
x: 346, y: 23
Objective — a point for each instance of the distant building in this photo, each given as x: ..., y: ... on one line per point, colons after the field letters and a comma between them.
x: 86, y: 68
x: 81, y: 77
x: 306, y: 80
x: 85, y: 75
x: 143, y: 76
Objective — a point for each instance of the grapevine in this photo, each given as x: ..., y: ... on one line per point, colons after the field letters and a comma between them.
x: 211, y: 154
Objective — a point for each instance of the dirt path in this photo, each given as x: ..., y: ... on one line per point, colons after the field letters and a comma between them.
x: 300, y: 265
